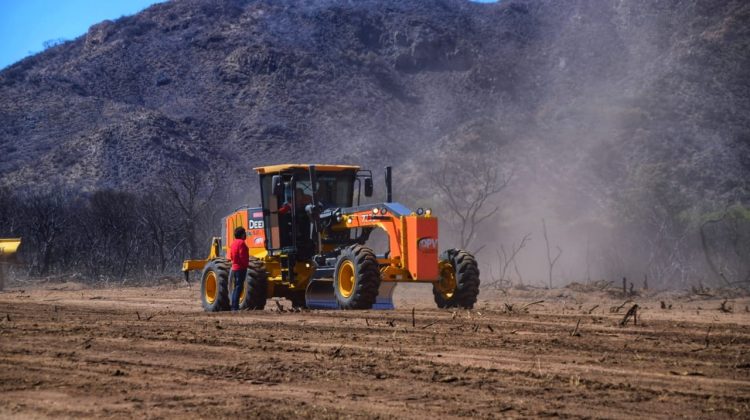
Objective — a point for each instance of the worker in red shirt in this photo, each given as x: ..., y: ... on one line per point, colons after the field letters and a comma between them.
x: 240, y: 256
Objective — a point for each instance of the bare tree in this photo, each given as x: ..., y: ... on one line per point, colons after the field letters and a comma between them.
x: 9, y: 214
x: 518, y: 272
x: 109, y: 232
x: 113, y: 232
x: 195, y: 193
x: 155, y: 217
x: 725, y: 242
x: 654, y: 229
x: 505, y: 259
x: 467, y: 192
x: 665, y: 241
x: 706, y: 248
x: 46, y: 218
x: 550, y: 261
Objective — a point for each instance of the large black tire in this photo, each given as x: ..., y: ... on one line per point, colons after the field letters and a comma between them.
x: 357, y: 278
x: 215, y: 285
x: 256, y: 286
x: 466, y: 273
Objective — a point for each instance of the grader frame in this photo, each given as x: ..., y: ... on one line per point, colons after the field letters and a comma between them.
x: 315, y: 252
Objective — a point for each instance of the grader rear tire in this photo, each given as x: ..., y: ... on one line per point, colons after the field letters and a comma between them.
x: 256, y: 286
x: 459, y: 285
x: 357, y: 278
x: 215, y: 286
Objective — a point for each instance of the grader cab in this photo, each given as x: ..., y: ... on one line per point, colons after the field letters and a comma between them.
x: 308, y: 243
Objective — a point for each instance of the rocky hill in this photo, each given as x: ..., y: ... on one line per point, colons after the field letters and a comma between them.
x: 603, y: 110
x: 240, y: 83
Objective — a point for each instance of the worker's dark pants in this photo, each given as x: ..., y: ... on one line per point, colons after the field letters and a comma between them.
x: 239, y: 282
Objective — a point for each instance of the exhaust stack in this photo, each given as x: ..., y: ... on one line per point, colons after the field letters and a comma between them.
x: 388, y: 185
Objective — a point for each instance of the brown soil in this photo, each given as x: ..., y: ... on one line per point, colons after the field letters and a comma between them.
x: 152, y: 351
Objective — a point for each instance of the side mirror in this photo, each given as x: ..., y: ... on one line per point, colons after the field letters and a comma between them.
x: 277, y: 185
x: 368, y: 187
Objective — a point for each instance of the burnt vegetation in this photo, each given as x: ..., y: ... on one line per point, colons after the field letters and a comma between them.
x: 110, y: 235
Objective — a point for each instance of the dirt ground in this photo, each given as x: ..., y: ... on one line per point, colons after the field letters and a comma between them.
x: 68, y: 351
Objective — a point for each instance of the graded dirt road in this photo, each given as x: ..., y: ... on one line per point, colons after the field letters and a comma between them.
x: 153, y: 353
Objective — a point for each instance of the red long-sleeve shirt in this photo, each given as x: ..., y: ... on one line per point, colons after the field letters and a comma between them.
x: 239, y: 254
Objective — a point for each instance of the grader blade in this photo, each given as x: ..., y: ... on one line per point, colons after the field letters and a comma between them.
x: 385, y: 296
x: 319, y: 295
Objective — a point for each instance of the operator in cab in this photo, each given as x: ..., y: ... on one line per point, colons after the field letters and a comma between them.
x: 301, y: 200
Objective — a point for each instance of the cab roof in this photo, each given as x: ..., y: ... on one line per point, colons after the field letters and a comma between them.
x: 322, y: 167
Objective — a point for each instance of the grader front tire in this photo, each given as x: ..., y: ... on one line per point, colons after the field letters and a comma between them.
x: 215, y: 286
x: 357, y: 278
x: 459, y: 282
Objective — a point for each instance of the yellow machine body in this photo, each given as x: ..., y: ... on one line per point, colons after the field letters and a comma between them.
x: 412, y: 236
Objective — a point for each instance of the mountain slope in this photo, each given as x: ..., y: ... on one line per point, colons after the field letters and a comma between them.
x: 251, y: 82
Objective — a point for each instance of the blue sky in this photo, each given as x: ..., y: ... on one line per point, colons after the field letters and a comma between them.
x: 26, y: 24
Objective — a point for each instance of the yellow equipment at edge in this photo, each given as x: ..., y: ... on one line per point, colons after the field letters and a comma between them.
x: 9, y: 247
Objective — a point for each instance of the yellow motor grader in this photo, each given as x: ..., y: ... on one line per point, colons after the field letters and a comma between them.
x: 308, y: 243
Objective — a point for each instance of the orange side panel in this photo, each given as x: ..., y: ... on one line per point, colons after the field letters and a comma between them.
x: 422, y: 243
x: 390, y: 224
x: 252, y: 221
x: 234, y: 220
